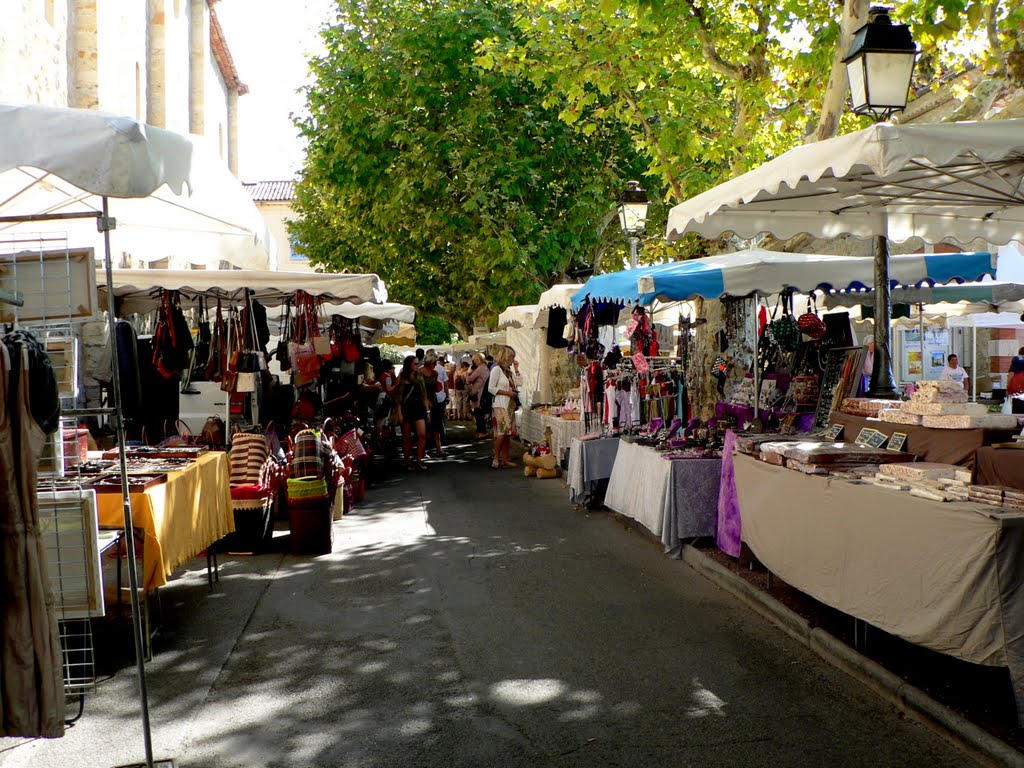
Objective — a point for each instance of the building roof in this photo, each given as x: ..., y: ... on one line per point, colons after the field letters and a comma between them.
x: 270, y: 191
x: 222, y: 55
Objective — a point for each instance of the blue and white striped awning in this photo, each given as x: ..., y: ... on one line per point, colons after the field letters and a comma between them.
x: 768, y: 272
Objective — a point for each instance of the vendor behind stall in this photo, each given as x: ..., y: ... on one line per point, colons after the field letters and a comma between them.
x: 953, y: 372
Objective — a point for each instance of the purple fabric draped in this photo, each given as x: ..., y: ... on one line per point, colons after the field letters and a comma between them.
x: 729, y: 524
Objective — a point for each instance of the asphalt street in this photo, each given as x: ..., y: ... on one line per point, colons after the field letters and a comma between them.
x: 471, y: 617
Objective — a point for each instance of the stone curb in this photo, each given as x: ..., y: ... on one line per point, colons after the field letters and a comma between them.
x: 907, y: 698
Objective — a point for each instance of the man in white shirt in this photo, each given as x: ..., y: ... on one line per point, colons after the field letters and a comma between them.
x: 953, y: 372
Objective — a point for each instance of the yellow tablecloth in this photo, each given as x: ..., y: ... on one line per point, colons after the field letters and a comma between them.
x: 181, y: 517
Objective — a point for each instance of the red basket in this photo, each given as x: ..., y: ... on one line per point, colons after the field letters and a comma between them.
x: 349, y: 444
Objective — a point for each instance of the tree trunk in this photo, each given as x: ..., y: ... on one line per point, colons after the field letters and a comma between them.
x: 855, y: 15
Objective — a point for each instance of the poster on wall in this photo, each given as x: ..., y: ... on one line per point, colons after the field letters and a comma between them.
x: 913, y: 365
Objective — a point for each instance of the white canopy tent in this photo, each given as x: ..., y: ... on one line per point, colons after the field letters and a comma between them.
x: 176, y: 198
x: 517, y: 316
x: 139, y: 290
x: 959, y: 181
x: 950, y: 181
x: 58, y: 170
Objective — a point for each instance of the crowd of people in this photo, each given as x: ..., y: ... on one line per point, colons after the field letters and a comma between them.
x: 430, y: 390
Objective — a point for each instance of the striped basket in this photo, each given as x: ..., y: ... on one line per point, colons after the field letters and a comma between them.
x: 306, y: 488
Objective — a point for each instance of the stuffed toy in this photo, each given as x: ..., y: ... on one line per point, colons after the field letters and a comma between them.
x: 544, y: 466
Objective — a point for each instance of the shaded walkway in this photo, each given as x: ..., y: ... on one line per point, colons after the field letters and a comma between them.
x: 469, y: 617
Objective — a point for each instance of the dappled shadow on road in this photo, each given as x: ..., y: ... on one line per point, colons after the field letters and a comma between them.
x: 467, y: 617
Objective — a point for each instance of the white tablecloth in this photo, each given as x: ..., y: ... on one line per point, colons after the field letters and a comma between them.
x: 531, y: 426
x: 674, y: 500
x: 946, y: 576
x: 590, y: 461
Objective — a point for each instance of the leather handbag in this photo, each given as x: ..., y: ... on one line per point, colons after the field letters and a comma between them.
x: 213, y: 432
x: 284, y: 334
x: 204, y: 339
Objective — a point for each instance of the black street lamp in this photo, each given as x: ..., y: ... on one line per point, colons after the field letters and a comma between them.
x: 880, y: 65
x: 632, y: 208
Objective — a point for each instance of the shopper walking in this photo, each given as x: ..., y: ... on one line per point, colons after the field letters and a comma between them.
x: 461, y: 392
x: 413, y: 412
x: 476, y: 382
x: 436, y: 378
x: 502, y: 387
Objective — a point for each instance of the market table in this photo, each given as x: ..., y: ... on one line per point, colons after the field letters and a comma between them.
x: 803, y: 421
x: 589, y: 461
x: 999, y: 466
x: 180, y: 517
x: 945, y: 446
x: 531, y: 425
x: 673, y: 499
x: 945, y: 576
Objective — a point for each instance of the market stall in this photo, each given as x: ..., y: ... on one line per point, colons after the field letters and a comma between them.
x: 181, y: 516
x: 533, y: 426
x: 673, y: 498
x: 518, y: 324
x: 908, y: 557
x: 591, y: 460
x: 139, y: 291
x: 943, y: 576
x: 172, y: 199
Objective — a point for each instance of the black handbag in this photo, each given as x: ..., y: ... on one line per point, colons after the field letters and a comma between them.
x: 284, y: 336
x: 202, y: 352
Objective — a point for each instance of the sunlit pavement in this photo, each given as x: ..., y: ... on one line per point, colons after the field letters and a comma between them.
x: 471, y: 617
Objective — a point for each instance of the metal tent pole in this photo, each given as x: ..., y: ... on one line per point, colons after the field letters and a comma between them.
x: 882, y: 383
x: 920, y: 330
x: 974, y: 364
x: 757, y: 367
x: 105, y: 224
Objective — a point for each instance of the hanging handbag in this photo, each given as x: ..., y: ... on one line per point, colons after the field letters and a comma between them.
x: 232, y: 339
x: 321, y: 344
x: 281, y: 353
x: 204, y: 339
x: 809, y: 323
x: 783, y: 330
x: 215, y: 367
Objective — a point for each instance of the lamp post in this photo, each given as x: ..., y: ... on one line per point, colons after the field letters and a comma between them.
x: 880, y: 65
x: 632, y: 208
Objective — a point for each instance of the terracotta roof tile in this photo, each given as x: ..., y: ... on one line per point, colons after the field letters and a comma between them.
x: 222, y: 55
x: 270, y: 191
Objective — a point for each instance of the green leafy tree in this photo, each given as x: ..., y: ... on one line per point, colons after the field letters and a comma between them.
x: 459, y: 185
x: 433, y: 330
x: 708, y: 88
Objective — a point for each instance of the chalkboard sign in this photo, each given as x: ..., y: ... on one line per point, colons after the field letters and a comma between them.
x: 839, y: 380
x: 833, y: 432
x: 876, y: 439
x: 896, y: 441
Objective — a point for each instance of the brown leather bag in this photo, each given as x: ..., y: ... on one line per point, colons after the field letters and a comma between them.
x: 213, y: 432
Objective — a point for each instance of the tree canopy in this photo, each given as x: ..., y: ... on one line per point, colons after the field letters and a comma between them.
x: 469, y: 152
x: 456, y: 184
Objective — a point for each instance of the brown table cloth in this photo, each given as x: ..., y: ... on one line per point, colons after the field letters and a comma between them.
x: 999, y: 466
x: 945, y: 446
x: 946, y: 576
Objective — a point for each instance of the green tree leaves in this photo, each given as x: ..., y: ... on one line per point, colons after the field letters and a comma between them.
x: 453, y: 182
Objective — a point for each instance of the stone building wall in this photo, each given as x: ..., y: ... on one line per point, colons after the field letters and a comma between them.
x: 34, y: 52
